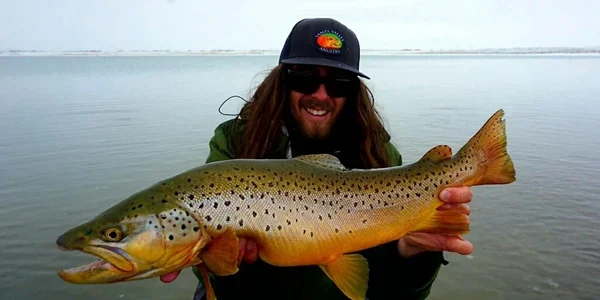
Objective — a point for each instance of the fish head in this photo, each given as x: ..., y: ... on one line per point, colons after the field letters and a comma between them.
x: 145, y: 235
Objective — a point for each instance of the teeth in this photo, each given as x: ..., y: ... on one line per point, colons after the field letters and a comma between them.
x: 316, y: 112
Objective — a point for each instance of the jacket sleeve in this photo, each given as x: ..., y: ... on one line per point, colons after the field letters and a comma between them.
x: 219, y: 145
x: 393, y: 277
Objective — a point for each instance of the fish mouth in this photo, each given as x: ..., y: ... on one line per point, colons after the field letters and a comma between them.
x: 112, y: 266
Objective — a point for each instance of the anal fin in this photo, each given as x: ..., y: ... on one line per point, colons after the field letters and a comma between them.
x: 444, y: 222
x: 221, y: 255
x: 350, y: 273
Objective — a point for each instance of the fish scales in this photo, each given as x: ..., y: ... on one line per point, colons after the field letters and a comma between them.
x: 292, y: 206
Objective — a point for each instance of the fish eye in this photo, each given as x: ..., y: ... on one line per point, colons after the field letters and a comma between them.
x: 113, y: 235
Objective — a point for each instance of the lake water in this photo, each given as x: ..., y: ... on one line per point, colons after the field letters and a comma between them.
x: 80, y: 133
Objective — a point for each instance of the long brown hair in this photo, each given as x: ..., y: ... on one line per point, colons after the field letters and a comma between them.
x: 265, y: 114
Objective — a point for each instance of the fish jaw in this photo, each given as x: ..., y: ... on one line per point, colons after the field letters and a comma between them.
x: 152, y: 245
x: 112, y: 267
x: 118, y: 261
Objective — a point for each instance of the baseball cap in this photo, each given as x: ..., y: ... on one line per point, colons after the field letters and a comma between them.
x: 323, y: 42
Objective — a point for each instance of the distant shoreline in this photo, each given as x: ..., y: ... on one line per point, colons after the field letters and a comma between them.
x: 366, y: 52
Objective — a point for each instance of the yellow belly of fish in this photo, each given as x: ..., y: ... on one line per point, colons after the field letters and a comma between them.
x: 315, y: 238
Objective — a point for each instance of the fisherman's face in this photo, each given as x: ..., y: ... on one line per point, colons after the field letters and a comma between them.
x: 314, y: 106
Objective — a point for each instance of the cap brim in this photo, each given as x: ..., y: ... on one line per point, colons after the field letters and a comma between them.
x: 322, y: 62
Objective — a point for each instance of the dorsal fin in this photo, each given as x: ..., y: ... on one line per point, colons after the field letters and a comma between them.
x: 322, y: 160
x: 437, y: 154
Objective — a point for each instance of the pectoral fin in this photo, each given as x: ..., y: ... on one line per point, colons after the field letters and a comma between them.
x: 350, y: 273
x: 221, y: 255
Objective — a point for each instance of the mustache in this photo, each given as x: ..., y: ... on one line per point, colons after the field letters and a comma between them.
x: 310, y: 102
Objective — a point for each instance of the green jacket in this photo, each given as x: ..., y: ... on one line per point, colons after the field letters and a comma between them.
x: 390, y: 276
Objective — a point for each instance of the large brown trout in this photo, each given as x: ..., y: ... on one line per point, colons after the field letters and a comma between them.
x: 308, y: 210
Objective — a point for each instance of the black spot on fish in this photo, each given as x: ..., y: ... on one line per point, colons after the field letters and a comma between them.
x: 171, y: 237
x: 176, y: 218
x: 196, y: 229
x: 133, y: 208
x: 268, y: 227
x: 241, y: 222
x: 201, y: 205
x: 208, y: 218
x: 211, y: 185
x: 191, y: 197
x: 227, y: 219
x: 216, y: 205
x: 182, y: 226
x: 254, y: 214
x: 219, y: 227
x: 176, y: 193
x: 227, y: 203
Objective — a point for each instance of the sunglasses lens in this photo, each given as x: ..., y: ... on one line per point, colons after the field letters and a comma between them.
x: 303, y: 83
x: 307, y: 83
x: 339, y: 87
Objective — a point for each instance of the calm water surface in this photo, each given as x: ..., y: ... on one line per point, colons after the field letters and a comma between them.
x: 80, y: 133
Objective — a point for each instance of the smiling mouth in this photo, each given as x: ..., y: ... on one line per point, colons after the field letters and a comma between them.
x: 316, y: 112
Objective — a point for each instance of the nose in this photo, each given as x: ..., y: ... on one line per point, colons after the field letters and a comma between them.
x: 321, y: 93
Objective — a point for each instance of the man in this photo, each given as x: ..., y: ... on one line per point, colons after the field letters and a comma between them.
x: 315, y: 102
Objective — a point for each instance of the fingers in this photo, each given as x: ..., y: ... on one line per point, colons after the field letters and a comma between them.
x: 460, y: 207
x: 460, y: 246
x: 248, y: 252
x: 456, y: 195
x: 419, y: 242
x: 167, y: 278
x: 251, y: 254
x: 242, y: 250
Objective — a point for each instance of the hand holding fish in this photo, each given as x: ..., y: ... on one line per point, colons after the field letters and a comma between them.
x: 416, y: 242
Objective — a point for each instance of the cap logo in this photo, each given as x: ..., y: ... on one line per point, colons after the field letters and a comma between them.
x: 329, y: 41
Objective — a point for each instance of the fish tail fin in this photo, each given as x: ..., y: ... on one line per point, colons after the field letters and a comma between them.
x: 488, y: 148
x: 444, y: 222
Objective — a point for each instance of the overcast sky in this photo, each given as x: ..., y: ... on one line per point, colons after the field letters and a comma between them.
x: 239, y: 24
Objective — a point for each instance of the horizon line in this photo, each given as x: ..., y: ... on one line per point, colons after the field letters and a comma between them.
x: 277, y: 50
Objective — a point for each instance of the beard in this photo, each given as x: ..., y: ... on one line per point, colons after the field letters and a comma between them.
x: 315, y: 130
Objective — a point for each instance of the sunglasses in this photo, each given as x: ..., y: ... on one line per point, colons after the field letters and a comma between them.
x: 307, y: 83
